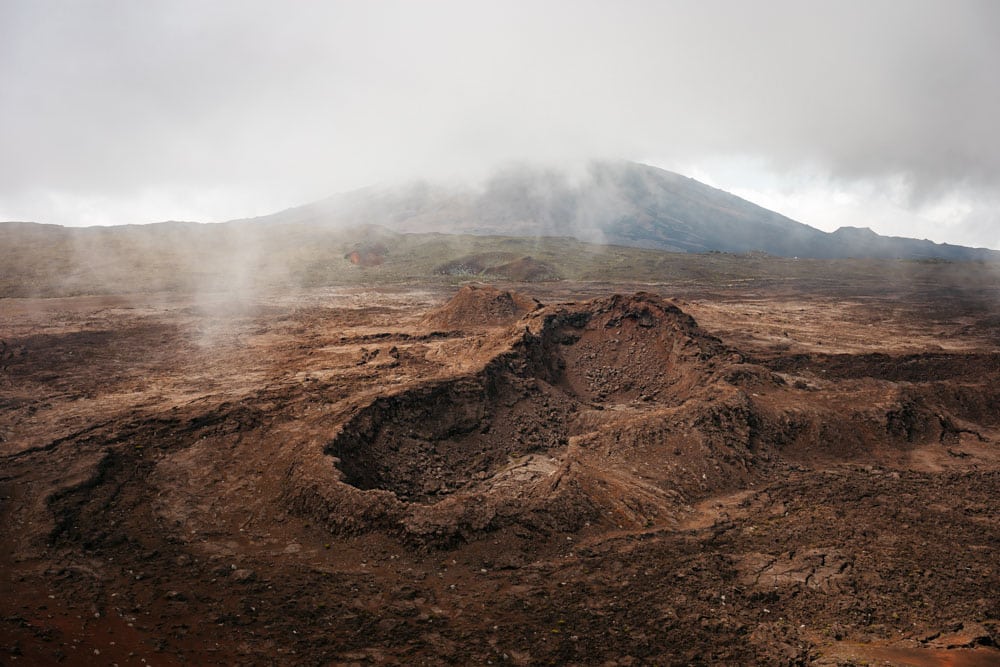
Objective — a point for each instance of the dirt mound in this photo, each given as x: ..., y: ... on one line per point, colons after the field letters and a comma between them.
x: 500, y: 266
x: 524, y: 270
x: 474, y: 265
x: 480, y: 306
x: 623, y: 348
x: 572, y: 393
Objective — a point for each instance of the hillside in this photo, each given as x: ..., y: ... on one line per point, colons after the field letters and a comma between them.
x: 617, y: 203
x: 242, y: 259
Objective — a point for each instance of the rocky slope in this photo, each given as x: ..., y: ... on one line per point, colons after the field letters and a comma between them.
x: 619, y: 203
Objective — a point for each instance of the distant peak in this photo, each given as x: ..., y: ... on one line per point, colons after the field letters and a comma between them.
x: 856, y: 231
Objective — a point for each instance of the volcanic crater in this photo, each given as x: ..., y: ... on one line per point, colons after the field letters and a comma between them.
x: 622, y: 404
x: 555, y: 365
x: 383, y: 480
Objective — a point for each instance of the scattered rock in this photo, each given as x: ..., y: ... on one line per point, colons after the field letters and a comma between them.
x: 243, y: 575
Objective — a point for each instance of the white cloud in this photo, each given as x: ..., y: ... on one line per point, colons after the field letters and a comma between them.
x: 152, y: 109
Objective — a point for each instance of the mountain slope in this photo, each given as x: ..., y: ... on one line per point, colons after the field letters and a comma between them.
x: 611, y: 202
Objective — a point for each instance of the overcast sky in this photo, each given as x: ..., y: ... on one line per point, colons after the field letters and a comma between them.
x: 865, y: 113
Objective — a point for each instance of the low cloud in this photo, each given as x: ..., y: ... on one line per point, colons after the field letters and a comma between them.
x: 181, y: 109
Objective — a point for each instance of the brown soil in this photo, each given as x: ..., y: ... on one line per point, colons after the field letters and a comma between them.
x: 524, y: 270
x: 355, y: 477
x: 477, y: 306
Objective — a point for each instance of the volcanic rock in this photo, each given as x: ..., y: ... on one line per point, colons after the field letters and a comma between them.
x: 481, y: 305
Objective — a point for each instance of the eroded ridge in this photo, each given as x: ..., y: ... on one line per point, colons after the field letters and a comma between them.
x: 621, y: 404
x: 567, y: 400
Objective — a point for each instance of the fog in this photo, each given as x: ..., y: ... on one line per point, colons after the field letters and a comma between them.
x: 878, y: 114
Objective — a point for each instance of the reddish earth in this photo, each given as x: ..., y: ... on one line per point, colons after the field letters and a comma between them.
x: 525, y: 269
x: 360, y: 476
x: 368, y: 255
x: 478, y: 306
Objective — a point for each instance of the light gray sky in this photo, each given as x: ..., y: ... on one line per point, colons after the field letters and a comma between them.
x: 847, y: 112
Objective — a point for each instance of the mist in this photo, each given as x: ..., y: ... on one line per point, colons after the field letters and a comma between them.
x: 121, y: 113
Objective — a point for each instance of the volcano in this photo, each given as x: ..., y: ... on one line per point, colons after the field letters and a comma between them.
x: 620, y: 203
x: 564, y: 405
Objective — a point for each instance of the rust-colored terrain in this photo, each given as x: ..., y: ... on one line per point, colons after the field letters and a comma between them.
x: 557, y: 473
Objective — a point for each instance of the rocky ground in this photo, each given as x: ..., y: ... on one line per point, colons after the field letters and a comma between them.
x: 581, y: 474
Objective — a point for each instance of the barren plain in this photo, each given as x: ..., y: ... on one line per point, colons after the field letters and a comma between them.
x: 569, y: 472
